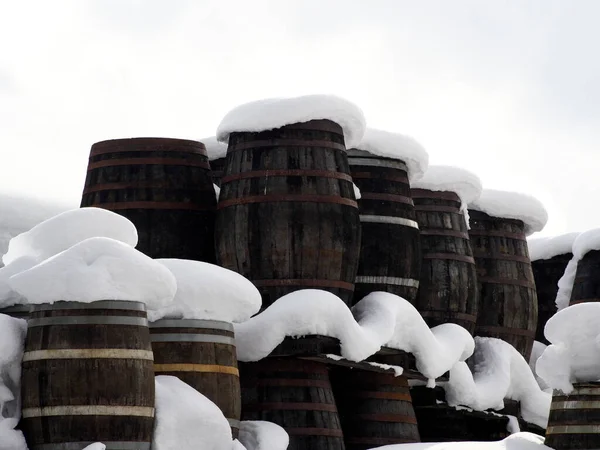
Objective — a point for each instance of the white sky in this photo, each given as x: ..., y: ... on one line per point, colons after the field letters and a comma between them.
x: 509, y: 89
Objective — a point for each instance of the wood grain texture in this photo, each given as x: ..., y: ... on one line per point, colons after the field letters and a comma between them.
x: 163, y: 186
x: 295, y: 231
x: 586, y: 287
x: 217, y: 166
x: 508, y: 305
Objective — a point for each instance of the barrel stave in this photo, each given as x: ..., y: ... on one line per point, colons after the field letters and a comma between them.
x: 586, y: 287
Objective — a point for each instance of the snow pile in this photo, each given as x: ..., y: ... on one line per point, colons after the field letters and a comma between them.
x: 549, y: 247
x: 8, y: 297
x: 261, y: 435
x: 268, y: 114
x: 500, y: 373
x: 379, y: 319
x: 98, y: 268
x: 214, y: 148
x: 518, y: 441
x: 397, y: 146
x: 512, y: 205
x: 206, y: 291
x: 465, y: 184
x: 186, y: 419
x: 12, y: 341
x: 536, y: 352
x: 574, y: 353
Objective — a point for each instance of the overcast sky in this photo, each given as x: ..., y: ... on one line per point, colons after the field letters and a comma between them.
x: 509, y: 89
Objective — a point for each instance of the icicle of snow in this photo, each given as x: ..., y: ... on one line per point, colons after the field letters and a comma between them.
x: 261, y: 435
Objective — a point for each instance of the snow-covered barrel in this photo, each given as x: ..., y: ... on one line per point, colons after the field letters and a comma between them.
x: 87, y: 376
x: 574, y: 418
x: 216, y: 155
x: 287, y: 217
x: 390, y: 256
x: 508, y: 308
x: 448, y: 290
x: 202, y: 354
x: 549, y: 259
x: 375, y: 409
x: 163, y: 186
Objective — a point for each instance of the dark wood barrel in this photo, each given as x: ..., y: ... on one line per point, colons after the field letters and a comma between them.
x: 202, y: 354
x: 17, y: 311
x: 546, y: 273
x: 375, y: 409
x: 295, y: 394
x: 586, y: 287
x: 163, y: 186
x: 217, y: 166
x: 390, y: 254
x: 87, y: 376
x: 507, y: 297
x: 448, y: 290
x: 574, y: 421
x: 287, y: 217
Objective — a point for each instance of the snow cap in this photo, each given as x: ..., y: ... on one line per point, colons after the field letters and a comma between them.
x: 512, y: 205
x: 465, y: 184
x: 549, y: 247
x: 397, y: 146
x: 586, y: 242
x: 214, y: 148
x: 268, y: 114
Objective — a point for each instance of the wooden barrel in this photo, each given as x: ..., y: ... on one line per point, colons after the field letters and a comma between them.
x: 546, y: 273
x: 507, y: 297
x: 586, y: 287
x: 202, y: 354
x: 448, y: 290
x: 295, y: 394
x: 217, y: 166
x: 17, y: 311
x: 390, y: 254
x: 375, y: 409
x: 163, y: 186
x: 574, y: 421
x: 87, y: 376
x: 287, y: 217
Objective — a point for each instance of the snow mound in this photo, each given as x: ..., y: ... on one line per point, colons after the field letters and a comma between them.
x: 500, y: 373
x: 8, y: 296
x: 574, y: 353
x: 549, y: 247
x: 465, y: 184
x: 379, y: 319
x: 262, y: 435
x: 586, y: 242
x: 268, y: 114
x: 517, y: 441
x: 512, y: 205
x: 397, y: 146
x: 209, y: 292
x: 536, y: 352
x: 67, y: 229
x: 186, y: 419
x: 214, y: 148
x: 98, y: 268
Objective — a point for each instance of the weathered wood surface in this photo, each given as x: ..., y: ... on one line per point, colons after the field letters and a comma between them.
x: 448, y: 290
x: 390, y: 255
x: 508, y: 307
x: 586, y: 287
x: 546, y: 273
x: 574, y: 421
x: 375, y: 409
x: 163, y: 186
x: 202, y: 354
x: 217, y: 166
x: 17, y: 311
x: 87, y: 376
x: 295, y: 394
x: 287, y: 217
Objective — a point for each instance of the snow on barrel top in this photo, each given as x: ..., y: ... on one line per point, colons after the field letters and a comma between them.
x: 549, y: 247
x: 465, y: 184
x: 98, y: 268
x: 397, y: 146
x: 64, y: 230
x: 268, y: 114
x: 214, y: 148
x: 512, y: 205
x: 206, y: 291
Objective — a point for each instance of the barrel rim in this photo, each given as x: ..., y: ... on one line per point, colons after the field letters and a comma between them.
x: 192, y: 323
x: 105, y: 144
x: 97, y: 304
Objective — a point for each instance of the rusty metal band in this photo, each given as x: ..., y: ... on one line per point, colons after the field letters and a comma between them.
x: 450, y: 256
x: 380, y: 395
x: 378, y: 441
x: 145, y: 185
x: 135, y: 321
x: 328, y: 432
x: 309, y: 198
x: 501, y: 256
x: 386, y: 197
x: 292, y: 382
x: 390, y: 220
x: 317, y: 125
x: 192, y: 337
x: 356, y: 152
x: 304, y: 282
x: 496, y: 233
x: 396, y: 281
x: 87, y: 353
x: 438, y: 209
x: 287, y: 406
x: 509, y: 281
x: 395, y: 418
x: 202, y: 324
x: 438, y: 195
x: 287, y: 173
x: 450, y: 315
x: 574, y: 404
x: 505, y: 330
x: 440, y: 232
x: 584, y: 300
x: 573, y: 429
x: 88, y: 410
x: 378, y: 162
x: 147, y: 161
x: 154, y: 205
x: 271, y: 143
x: 198, y: 368
x: 398, y: 177
x: 151, y: 145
